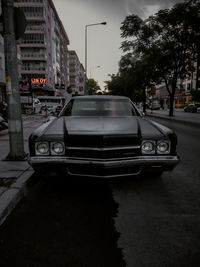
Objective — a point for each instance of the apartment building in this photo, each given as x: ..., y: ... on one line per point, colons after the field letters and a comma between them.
x: 76, y: 73
x: 42, y: 53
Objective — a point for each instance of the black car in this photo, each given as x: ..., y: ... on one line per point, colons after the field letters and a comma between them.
x: 102, y: 136
x: 191, y: 108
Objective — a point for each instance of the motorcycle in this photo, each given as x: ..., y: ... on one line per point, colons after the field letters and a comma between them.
x: 3, y: 116
x: 3, y: 123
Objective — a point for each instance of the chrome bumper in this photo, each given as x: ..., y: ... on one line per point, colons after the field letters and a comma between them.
x: 163, y: 162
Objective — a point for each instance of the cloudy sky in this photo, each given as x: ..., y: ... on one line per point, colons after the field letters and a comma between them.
x: 103, y: 40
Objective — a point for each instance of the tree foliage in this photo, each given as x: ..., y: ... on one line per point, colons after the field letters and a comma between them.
x: 195, y: 95
x: 92, y: 87
x: 167, y: 42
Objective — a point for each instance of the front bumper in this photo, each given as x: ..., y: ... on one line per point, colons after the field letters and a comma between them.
x: 104, y: 168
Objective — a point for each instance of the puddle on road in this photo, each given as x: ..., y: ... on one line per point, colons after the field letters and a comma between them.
x: 63, y: 222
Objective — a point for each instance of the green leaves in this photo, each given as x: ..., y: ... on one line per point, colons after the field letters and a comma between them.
x: 92, y: 87
x: 163, y: 47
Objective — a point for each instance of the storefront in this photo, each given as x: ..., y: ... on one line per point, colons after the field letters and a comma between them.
x: 182, y: 99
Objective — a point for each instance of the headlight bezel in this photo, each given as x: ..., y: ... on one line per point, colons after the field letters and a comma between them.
x: 156, y: 150
x: 52, y: 144
x: 37, y: 152
x: 166, y: 152
x: 153, y: 151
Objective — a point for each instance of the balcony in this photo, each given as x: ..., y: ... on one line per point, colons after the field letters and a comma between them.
x: 35, y: 29
x: 28, y: 4
x: 39, y: 18
x: 33, y: 56
x: 30, y: 71
x: 31, y: 43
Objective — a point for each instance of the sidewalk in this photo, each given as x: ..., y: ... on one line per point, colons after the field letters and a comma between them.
x: 180, y: 116
x: 14, y: 176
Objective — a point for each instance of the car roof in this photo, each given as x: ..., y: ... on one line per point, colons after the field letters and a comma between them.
x: 100, y: 96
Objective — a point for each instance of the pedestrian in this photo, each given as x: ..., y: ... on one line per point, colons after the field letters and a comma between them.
x: 68, y: 94
x: 46, y: 110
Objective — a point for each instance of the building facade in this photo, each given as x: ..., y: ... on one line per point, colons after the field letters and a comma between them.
x: 42, y: 53
x: 182, y: 95
x: 76, y: 73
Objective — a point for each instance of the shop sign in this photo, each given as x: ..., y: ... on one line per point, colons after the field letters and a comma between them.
x: 24, y: 99
x: 8, y: 85
x: 38, y: 80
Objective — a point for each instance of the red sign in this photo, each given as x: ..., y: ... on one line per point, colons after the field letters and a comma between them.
x: 38, y: 80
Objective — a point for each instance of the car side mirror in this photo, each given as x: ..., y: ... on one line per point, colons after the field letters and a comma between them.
x: 143, y: 114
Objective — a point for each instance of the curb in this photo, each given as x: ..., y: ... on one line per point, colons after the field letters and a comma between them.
x: 11, y: 197
x: 191, y: 123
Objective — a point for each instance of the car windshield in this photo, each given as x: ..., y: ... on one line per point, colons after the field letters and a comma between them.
x: 100, y: 107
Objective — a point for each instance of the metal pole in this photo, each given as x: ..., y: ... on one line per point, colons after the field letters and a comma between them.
x: 102, y: 23
x: 13, y: 96
x: 86, y: 59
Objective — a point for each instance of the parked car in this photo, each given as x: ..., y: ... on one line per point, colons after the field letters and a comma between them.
x: 155, y: 106
x: 191, y: 108
x: 105, y: 137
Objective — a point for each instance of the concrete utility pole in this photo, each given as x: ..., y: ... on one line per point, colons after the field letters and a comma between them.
x: 13, y: 96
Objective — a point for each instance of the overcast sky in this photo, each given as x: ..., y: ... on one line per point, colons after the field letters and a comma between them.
x: 103, y: 41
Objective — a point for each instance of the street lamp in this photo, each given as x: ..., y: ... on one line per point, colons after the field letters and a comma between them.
x: 86, y: 26
x: 93, y: 68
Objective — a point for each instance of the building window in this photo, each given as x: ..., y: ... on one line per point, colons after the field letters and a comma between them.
x: 27, y: 76
x: 35, y: 38
x: 29, y: 1
x: 32, y: 11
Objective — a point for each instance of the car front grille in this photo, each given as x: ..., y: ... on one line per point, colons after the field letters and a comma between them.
x: 100, y: 141
x: 102, y: 154
x: 102, y: 147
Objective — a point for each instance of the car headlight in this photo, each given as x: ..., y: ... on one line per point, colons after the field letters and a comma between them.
x: 42, y: 148
x: 57, y: 148
x: 148, y: 147
x: 163, y: 147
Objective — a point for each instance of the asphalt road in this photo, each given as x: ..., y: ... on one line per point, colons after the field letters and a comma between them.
x: 76, y: 222
x: 159, y: 219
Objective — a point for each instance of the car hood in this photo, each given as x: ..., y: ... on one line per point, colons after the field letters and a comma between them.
x: 101, y: 125
x: 137, y: 126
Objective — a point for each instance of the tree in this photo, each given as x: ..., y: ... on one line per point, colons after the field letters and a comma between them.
x: 92, y: 87
x: 165, y: 40
x: 188, y: 17
x: 195, y: 95
x: 123, y: 84
x: 141, y: 75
